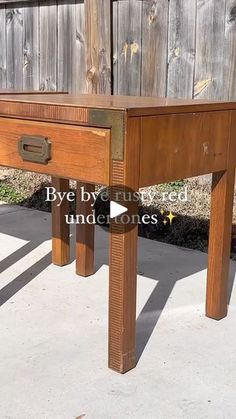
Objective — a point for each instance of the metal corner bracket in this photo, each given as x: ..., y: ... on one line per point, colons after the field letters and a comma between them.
x: 114, y: 120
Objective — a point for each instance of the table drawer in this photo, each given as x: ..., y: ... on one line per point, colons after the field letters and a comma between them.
x: 75, y: 152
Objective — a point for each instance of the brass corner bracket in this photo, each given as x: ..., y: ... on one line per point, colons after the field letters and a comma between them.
x: 114, y: 120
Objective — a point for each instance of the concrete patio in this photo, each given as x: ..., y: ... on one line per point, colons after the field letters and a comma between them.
x: 53, y: 334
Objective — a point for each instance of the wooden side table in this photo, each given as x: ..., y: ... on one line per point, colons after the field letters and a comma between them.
x: 130, y: 141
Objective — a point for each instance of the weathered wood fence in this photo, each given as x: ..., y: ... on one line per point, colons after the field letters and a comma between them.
x: 178, y: 48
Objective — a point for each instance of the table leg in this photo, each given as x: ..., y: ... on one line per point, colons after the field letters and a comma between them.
x: 84, y: 233
x: 219, y: 244
x: 123, y: 260
x: 122, y: 298
x: 60, y: 229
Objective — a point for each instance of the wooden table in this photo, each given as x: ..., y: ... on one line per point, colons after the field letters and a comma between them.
x: 133, y: 141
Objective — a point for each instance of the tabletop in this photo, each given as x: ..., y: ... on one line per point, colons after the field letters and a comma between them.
x: 133, y: 105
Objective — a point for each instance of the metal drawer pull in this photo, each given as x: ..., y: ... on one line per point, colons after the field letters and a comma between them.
x: 34, y: 149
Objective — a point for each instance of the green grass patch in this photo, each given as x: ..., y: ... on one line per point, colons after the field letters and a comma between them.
x: 172, y: 186
x: 10, y: 194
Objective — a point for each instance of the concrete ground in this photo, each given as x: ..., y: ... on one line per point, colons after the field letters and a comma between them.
x: 53, y: 334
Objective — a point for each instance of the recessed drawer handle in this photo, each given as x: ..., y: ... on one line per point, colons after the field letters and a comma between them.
x: 36, y: 149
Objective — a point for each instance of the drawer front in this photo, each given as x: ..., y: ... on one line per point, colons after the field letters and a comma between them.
x: 81, y: 153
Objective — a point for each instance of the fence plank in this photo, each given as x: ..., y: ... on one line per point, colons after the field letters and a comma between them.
x: 209, y: 67
x: 48, y: 45
x: 78, y: 69
x: 6, y: 2
x: 114, y: 34
x: 65, y: 44
x: 154, y: 47
x: 229, y: 55
x: 181, y: 48
x: 105, y: 59
x: 98, y: 45
x: 31, y: 46
x: 3, y: 51
x: 14, y: 24
x: 129, y: 47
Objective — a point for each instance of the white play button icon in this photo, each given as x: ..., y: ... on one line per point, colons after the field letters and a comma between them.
x: 116, y: 209
x: 116, y: 205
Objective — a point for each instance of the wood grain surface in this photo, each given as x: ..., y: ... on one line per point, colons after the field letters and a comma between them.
x: 129, y: 18
x: 69, y: 145
x: 49, y: 40
x: 31, y: 62
x: 155, y: 15
x: 229, y: 57
x: 123, y: 262
x: 151, y: 47
x: 60, y: 229
x: 181, y: 146
x: 84, y: 232
x: 209, y: 66
x: 181, y: 48
x: 98, y: 42
x: 3, y: 49
x: 219, y: 243
x: 218, y: 284
x: 134, y: 105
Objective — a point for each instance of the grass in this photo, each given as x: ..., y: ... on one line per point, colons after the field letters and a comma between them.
x: 172, y: 186
x: 10, y: 195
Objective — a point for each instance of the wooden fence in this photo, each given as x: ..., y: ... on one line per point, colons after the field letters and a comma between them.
x: 178, y: 48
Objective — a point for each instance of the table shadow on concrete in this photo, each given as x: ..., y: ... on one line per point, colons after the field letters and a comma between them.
x: 157, y: 261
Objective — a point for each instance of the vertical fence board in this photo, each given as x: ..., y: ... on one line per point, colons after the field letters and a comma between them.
x: 181, y: 50
x: 14, y: 42
x: 48, y: 45
x: 154, y: 47
x: 3, y: 51
x: 129, y: 46
x: 31, y: 46
x: 115, y: 47
x: 98, y: 45
x: 65, y: 44
x: 209, y: 69
x: 105, y: 59
x: 78, y: 68
x: 229, y: 56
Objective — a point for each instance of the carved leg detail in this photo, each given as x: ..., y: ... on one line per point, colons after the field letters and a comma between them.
x: 122, y: 298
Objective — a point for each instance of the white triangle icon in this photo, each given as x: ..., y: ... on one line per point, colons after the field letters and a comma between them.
x: 116, y: 209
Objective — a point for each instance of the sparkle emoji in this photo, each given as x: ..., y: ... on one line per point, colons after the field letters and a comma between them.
x: 171, y: 216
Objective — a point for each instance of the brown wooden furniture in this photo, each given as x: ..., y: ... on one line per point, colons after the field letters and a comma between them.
x: 137, y: 142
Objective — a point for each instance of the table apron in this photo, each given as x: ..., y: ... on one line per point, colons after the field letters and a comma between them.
x: 179, y: 146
